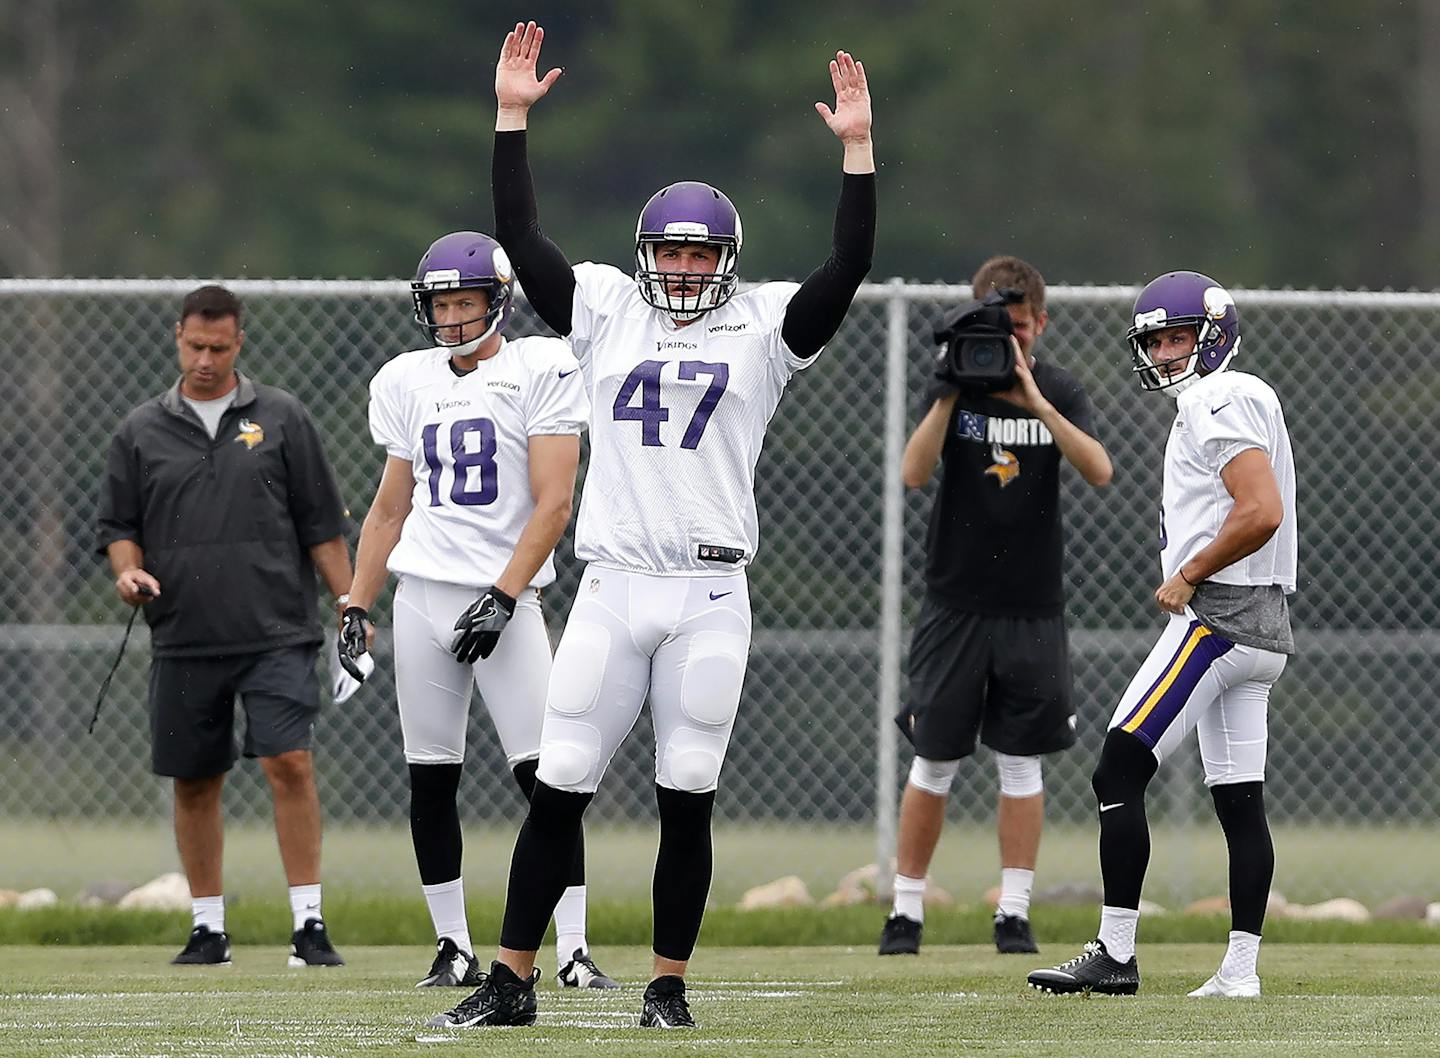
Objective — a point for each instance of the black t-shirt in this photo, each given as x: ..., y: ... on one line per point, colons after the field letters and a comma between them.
x: 996, y: 544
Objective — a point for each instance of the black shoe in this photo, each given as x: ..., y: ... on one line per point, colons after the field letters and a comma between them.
x: 901, y: 936
x: 1013, y: 936
x: 1091, y: 971
x: 310, y: 946
x: 204, y: 948
x: 665, y: 1006
x: 501, y: 999
x: 452, y: 968
x: 581, y: 972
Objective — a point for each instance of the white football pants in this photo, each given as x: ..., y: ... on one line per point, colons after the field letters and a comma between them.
x: 1196, y: 679
x: 433, y: 689
x: 684, y: 641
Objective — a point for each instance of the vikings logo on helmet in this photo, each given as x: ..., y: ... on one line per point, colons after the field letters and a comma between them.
x: 688, y: 212
x: 1184, y: 299
x: 464, y: 260
x: 251, y: 434
x: 1006, y: 467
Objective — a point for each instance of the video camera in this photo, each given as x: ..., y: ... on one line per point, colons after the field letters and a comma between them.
x: 976, y: 349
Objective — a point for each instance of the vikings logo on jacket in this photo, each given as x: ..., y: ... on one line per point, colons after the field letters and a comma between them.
x: 251, y: 434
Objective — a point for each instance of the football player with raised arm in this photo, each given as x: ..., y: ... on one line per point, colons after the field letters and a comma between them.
x: 1228, y: 547
x: 482, y: 440
x: 683, y: 374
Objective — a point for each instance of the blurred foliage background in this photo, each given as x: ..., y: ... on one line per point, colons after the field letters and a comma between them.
x: 1270, y: 142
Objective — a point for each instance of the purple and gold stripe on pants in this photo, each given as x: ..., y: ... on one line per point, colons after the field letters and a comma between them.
x: 1161, y: 704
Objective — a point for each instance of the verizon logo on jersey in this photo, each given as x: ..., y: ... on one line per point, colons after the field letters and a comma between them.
x: 727, y: 327
x: 498, y: 383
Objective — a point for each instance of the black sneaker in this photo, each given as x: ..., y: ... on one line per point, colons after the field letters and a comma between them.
x: 204, y: 948
x: 501, y: 999
x: 452, y: 968
x: 901, y: 936
x: 1091, y: 971
x: 581, y: 972
x: 665, y: 1006
x: 1013, y: 936
x: 310, y: 946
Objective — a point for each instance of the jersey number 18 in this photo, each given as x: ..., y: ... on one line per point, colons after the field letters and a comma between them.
x: 463, y: 459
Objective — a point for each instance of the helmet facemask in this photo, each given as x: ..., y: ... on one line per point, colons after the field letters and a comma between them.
x: 709, y: 290
x: 423, y: 292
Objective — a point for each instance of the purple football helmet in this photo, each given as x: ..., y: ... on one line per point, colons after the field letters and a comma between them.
x: 464, y: 260
x: 1184, y: 299
x: 688, y: 212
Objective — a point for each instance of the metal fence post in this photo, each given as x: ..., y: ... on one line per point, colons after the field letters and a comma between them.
x: 887, y: 702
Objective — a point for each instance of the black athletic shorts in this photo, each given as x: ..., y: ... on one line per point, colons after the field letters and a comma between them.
x: 1005, y: 679
x: 192, y: 708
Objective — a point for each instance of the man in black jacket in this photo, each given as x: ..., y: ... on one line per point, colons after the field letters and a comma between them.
x: 217, y: 507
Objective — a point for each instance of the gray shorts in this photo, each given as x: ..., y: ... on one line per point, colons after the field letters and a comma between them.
x: 192, y: 708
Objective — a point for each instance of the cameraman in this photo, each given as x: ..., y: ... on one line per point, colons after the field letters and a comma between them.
x: 989, y: 656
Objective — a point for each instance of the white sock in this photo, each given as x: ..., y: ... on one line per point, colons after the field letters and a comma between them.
x: 446, y: 901
x: 1117, y: 931
x: 1015, y: 886
x: 304, y: 903
x: 208, y: 911
x: 1241, y: 956
x: 910, y: 897
x: 570, y: 924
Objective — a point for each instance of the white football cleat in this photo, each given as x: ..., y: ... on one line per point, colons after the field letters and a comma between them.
x: 1244, y: 988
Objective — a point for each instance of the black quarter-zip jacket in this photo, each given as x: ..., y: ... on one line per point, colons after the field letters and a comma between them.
x: 225, y: 525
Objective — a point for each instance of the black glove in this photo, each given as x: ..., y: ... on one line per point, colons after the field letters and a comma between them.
x: 479, y: 627
x: 352, y: 643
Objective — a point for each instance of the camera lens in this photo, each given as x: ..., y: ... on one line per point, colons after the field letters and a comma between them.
x: 983, y: 355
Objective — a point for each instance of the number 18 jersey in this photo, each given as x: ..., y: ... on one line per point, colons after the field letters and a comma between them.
x: 677, y: 423
x: 467, y: 438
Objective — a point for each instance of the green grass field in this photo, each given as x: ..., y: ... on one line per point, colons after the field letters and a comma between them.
x: 1321, y: 1000
x: 1370, y: 863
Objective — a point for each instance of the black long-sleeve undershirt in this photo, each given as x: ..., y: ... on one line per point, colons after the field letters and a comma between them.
x: 819, y: 306
x: 812, y: 317
x: 544, y: 271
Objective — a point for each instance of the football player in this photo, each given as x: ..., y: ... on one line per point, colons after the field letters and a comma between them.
x: 1227, y: 559
x: 481, y: 436
x: 684, y: 373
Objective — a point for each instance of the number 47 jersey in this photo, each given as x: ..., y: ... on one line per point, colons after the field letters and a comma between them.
x: 467, y: 439
x: 678, y: 419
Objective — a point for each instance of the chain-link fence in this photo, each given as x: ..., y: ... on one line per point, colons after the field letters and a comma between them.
x: 836, y: 584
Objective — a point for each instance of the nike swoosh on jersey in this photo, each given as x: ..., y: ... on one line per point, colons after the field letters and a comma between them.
x: 1217, y: 411
x: 714, y: 597
x: 567, y: 374
x: 1106, y: 808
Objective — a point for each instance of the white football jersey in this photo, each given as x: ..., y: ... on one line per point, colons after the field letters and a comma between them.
x: 677, y: 423
x: 468, y: 442
x: 1219, y: 417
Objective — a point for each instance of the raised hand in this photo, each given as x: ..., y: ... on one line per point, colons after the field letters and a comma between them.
x: 516, y: 86
x: 850, y: 120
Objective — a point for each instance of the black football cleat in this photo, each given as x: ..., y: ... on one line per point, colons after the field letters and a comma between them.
x: 502, y: 999
x: 310, y: 946
x: 581, y: 972
x: 204, y: 948
x: 901, y: 936
x: 452, y: 968
x: 1092, y: 971
x: 665, y: 1006
x: 1013, y: 936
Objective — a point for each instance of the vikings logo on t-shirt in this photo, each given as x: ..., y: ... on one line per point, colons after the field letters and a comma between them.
x: 1006, y: 467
